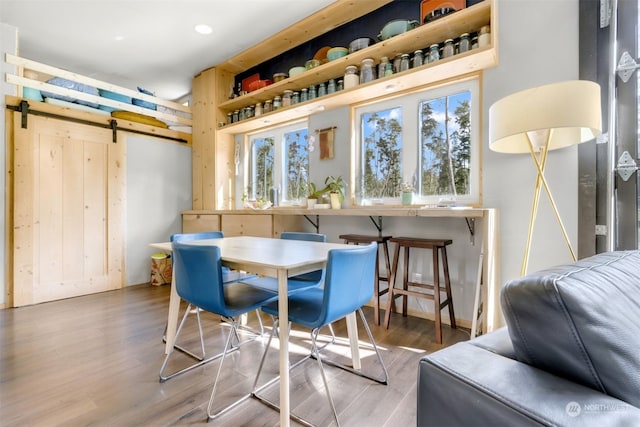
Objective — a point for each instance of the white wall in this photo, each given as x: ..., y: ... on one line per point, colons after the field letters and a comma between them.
x: 538, y: 44
x: 8, y: 44
x: 158, y: 189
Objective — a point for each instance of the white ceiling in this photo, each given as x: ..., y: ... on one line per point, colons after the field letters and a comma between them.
x: 159, y: 50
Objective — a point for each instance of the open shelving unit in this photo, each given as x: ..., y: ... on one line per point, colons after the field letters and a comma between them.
x: 450, y: 26
x: 214, y: 142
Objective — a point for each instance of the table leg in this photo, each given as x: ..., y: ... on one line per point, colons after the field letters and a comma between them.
x: 352, y: 330
x: 174, y: 311
x: 283, y: 314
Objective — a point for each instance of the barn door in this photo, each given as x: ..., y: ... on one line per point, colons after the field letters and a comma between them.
x: 68, y: 210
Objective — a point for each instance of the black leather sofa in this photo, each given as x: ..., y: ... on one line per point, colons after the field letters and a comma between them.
x: 569, y: 355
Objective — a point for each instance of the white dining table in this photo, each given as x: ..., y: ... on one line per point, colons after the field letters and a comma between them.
x: 280, y: 258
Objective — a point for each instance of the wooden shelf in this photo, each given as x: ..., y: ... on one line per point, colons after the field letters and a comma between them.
x: 458, y: 66
x: 321, y: 22
x: 451, y: 26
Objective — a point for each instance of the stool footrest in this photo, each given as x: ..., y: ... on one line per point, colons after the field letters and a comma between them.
x: 430, y: 286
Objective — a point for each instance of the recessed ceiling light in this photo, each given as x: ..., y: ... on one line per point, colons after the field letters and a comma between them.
x: 203, y: 29
x: 119, y: 38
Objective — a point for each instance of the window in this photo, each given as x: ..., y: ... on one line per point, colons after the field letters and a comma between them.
x: 426, y: 140
x: 262, y: 157
x: 279, y: 158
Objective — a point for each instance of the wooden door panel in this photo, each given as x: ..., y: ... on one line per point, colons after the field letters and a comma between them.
x: 68, y: 210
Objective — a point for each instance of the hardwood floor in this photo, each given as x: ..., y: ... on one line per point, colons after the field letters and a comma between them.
x: 94, y: 361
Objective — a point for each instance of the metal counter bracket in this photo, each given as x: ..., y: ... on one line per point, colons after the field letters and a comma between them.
x: 378, y: 224
x: 471, y: 225
x: 315, y: 224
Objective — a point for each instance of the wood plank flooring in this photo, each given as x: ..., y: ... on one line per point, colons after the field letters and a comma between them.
x: 94, y: 361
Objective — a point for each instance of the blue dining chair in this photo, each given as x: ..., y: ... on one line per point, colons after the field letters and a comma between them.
x: 347, y: 287
x: 198, y: 273
x: 295, y: 283
x: 228, y: 277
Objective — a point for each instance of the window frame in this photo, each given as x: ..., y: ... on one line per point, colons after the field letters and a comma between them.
x: 278, y: 134
x: 411, y: 140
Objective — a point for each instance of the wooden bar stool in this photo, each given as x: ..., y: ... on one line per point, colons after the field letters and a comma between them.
x: 382, y: 241
x: 436, y: 246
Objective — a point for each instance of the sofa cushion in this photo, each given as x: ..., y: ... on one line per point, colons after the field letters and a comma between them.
x: 581, y: 321
x: 497, y: 342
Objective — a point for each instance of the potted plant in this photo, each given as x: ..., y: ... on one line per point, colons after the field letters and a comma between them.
x: 335, y: 186
x: 312, y: 195
x: 406, y: 193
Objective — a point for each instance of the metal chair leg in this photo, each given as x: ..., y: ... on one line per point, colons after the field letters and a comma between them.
x: 314, y: 343
x: 315, y: 353
x: 382, y: 380
x: 256, y: 390
x: 201, y: 359
x: 211, y: 415
x: 182, y: 349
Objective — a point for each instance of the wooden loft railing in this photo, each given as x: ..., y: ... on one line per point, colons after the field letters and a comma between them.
x: 44, y: 72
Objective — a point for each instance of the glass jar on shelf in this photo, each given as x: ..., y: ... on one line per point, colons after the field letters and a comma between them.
x: 312, y: 92
x: 277, y: 102
x: 474, y: 42
x: 388, y: 71
x: 434, y: 52
x: 295, y: 98
x: 404, y: 62
x: 418, y: 58
x: 367, y: 71
x: 465, y: 43
x: 331, y: 86
x: 268, y: 106
x: 448, y: 49
x: 236, y: 116
x: 484, y: 36
x: 229, y: 117
x: 286, y: 98
x: 382, y: 66
x: 304, y: 94
x: 258, y: 109
x: 351, y: 78
x: 396, y: 63
x: 340, y: 85
x: 322, y: 89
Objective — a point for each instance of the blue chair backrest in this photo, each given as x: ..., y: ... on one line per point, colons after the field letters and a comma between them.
x: 349, y: 281
x: 185, y: 237
x: 199, y: 276
x: 312, y: 276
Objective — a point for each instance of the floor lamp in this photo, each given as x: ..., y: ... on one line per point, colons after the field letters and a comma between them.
x: 541, y: 119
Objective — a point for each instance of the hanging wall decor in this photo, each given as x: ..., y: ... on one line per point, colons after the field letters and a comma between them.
x: 326, y: 138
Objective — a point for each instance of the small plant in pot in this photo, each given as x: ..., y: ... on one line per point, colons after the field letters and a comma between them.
x: 313, y: 195
x: 335, y: 186
x: 406, y: 193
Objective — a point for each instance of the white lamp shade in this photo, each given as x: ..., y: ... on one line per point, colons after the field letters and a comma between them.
x: 569, y: 110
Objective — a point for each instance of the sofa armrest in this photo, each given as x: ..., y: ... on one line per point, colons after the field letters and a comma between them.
x: 465, y: 385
